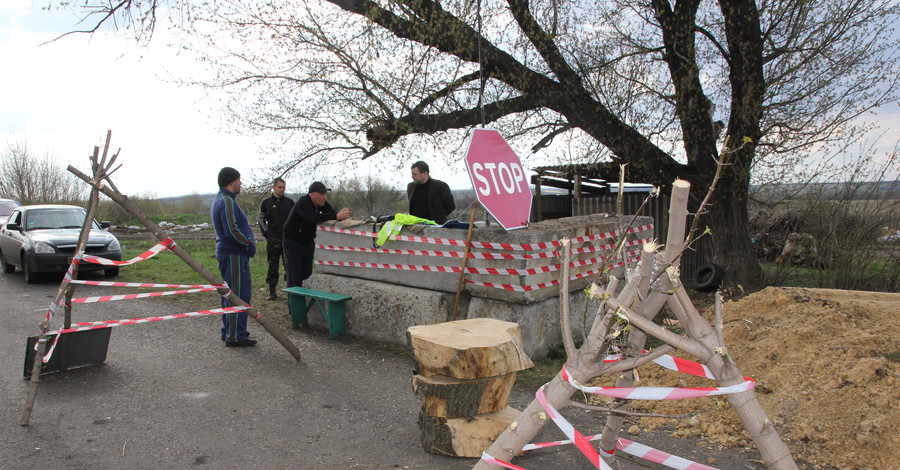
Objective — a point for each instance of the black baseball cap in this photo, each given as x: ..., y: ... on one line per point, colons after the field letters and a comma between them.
x: 318, y: 187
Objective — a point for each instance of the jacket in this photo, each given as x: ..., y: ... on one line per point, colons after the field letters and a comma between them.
x: 273, y: 212
x: 440, y: 200
x: 302, y: 222
x: 234, y: 236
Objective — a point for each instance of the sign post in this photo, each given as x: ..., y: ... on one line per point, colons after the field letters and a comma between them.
x: 499, y: 179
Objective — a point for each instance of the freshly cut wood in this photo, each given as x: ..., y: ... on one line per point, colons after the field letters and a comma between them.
x: 469, y: 349
x: 448, y: 397
x: 464, y: 437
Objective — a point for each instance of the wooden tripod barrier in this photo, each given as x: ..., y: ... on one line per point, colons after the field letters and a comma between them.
x: 467, y: 370
x: 132, y: 209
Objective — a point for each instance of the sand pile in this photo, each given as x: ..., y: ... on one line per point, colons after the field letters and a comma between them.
x: 826, y: 366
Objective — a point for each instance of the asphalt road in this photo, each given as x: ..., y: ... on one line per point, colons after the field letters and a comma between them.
x: 170, y: 395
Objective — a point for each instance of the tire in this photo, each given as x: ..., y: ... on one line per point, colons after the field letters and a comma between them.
x: 708, y: 277
x: 111, y: 272
x: 31, y: 277
x: 7, y: 268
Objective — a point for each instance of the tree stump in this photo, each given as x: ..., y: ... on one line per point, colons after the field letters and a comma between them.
x: 469, y: 349
x: 464, y: 437
x: 448, y: 397
x: 467, y: 369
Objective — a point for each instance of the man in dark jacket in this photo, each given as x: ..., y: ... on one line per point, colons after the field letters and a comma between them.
x: 428, y: 198
x: 235, y: 245
x: 300, y: 232
x: 273, y: 212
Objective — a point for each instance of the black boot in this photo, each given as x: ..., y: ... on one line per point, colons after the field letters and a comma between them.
x: 272, y: 295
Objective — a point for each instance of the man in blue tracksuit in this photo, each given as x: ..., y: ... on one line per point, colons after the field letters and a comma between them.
x: 235, y: 245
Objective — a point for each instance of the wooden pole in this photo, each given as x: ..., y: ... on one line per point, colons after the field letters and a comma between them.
x: 465, y: 261
x: 63, y: 296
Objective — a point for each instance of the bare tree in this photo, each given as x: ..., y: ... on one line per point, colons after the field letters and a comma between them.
x: 369, y: 196
x: 664, y: 86
x: 31, y: 179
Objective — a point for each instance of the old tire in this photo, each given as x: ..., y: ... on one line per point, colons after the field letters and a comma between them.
x: 708, y: 277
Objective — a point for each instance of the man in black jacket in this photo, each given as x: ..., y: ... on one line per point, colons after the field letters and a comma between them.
x: 428, y: 198
x: 273, y: 212
x: 300, y: 232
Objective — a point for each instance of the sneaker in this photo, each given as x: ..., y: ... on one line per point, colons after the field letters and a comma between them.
x: 246, y: 343
x: 272, y: 296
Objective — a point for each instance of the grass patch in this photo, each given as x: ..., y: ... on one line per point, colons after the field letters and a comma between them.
x: 167, y: 268
x: 542, y: 372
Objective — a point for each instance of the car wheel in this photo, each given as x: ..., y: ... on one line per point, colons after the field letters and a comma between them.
x: 7, y: 268
x: 31, y: 277
x: 111, y: 272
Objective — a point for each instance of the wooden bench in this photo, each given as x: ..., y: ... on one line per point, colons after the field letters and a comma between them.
x: 301, y: 300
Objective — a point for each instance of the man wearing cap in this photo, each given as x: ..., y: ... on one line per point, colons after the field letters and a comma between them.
x: 428, y: 198
x: 235, y: 246
x: 273, y: 211
x: 300, y: 232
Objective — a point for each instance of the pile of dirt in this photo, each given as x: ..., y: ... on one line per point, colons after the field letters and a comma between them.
x: 826, y: 364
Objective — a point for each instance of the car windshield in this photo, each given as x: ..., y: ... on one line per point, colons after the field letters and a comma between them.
x: 55, y: 218
x: 6, y: 208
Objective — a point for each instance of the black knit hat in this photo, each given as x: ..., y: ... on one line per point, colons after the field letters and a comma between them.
x: 318, y: 187
x: 227, y: 176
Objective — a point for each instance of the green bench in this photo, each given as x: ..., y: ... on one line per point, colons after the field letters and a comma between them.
x: 301, y: 300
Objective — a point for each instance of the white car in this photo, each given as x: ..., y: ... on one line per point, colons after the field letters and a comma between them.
x: 42, y: 239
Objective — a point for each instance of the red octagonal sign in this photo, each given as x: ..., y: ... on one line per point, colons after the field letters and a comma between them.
x: 501, y: 185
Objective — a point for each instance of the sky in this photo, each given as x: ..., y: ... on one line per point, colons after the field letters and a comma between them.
x: 61, y: 98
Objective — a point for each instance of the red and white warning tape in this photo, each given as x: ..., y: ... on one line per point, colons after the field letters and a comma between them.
x: 660, y: 393
x: 110, y: 298
x: 489, y: 245
x: 166, y: 244
x: 456, y: 269
x: 144, y: 284
x: 543, y: 285
x: 643, y: 393
x: 476, y: 254
x: 134, y: 321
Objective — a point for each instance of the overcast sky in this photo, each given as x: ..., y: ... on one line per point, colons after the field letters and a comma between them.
x: 61, y: 98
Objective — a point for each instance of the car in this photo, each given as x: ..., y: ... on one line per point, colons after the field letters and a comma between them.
x: 6, y: 208
x: 42, y: 239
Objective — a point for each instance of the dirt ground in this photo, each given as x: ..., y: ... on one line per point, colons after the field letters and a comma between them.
x: 826, y: 364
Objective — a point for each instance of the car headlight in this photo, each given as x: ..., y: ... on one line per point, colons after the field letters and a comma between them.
x: 114, y: 246
x: 41, y: 247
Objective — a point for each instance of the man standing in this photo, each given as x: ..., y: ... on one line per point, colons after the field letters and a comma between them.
x: 235, y: 246
x: 273, y: 212
x: 429, y: 198
x: 300, y: 232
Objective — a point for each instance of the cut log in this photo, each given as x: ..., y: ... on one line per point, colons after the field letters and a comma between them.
x: 469, y: 349
x: 447, y: 397
x: 464, y: 437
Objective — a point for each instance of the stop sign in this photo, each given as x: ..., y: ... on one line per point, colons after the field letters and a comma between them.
x: 499, y: 179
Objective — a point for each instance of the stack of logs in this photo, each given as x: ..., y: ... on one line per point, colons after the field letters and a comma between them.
x: 467, y: 369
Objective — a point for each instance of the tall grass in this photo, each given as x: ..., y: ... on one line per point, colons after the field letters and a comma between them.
x: 167, y: 268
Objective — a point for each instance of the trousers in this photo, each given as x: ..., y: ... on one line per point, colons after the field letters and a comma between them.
x: 235, y: 270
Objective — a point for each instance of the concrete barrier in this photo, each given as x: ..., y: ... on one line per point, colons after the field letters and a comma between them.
x: 388, y: 301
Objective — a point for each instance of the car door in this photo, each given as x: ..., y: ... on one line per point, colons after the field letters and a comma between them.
x: 10, y: 239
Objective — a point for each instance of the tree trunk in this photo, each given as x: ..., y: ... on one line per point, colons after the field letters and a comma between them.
x: 730, y: 234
